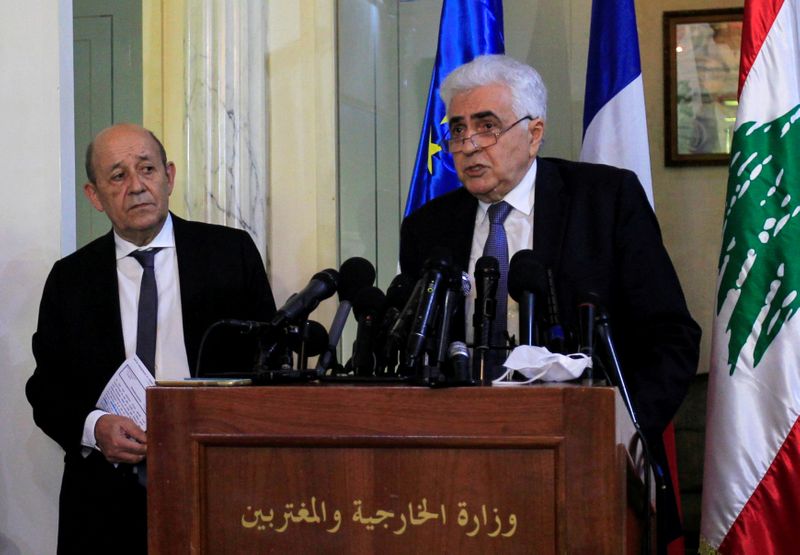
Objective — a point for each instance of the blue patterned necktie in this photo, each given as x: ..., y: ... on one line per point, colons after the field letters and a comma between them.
x: 497, y: 246
x: 148, y: 309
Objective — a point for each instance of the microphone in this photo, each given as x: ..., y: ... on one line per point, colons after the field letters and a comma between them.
x: 458, y: 287
x: 398, y: 334
x: 487, y: 275
x: 527, y: 279
x: 367, y: 307
x: 397, y: 296
x: 398, y: 292
x: 310, y: 340
x: 555, y: 333
x: 458, y: 355
x: 432, y: 282
x: 354, y: 274
x: 399, y: 330
x: 301, y: 304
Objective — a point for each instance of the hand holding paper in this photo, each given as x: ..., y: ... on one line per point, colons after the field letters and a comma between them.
x: 120, y: 435
x: 120, y: 439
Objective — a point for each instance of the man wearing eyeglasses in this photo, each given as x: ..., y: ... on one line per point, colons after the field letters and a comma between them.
x: 591, y: 225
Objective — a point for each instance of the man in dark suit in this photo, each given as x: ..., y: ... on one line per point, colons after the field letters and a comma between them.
x: 88, y: 327
x: 590, y: 224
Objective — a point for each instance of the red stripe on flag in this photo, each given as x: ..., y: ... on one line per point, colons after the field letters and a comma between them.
x: 758, y: 19
x: 676, y: 546
x: 770, y: 519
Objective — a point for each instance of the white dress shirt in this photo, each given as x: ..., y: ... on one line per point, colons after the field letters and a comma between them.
x: 519, y: 233
x: 171, y: 361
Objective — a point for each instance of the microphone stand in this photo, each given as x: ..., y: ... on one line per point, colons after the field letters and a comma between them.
x: 443, y: 333
x: 487, y: 276
x: 267, y: 346
x: 526, y: 327
x: 327, y: 359
x: 604, y: 331
x: 482, y: 321
x: 444, y: 374
x: 273, y: 344
x: 302, y: 356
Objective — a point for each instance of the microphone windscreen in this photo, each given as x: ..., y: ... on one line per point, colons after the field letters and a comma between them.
x: 525, y: 273
x: 399, y: 291
x: 487, y: 275
x: 441, y: 258
x: 354, y: 274
x: 487, y: 264
x: 369, y: 299
x: 316, y: 340
x: 330, y: 280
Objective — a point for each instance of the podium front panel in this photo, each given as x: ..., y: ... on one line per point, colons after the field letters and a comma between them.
x: 323, y: 469
x: 474, y: 497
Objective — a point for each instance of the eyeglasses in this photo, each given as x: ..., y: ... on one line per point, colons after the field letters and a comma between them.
x: 483, y: 139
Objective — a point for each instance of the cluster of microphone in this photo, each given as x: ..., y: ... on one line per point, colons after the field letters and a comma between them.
x: 408, y: 332
x: 403, y: 334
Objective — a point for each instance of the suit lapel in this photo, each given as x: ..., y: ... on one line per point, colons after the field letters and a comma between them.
x: 187, y: 265
x: 102, y: 290
x: 188, y: 272
x: 550, y: 215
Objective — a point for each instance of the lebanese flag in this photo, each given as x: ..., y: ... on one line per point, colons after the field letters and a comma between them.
x: 751, y: 483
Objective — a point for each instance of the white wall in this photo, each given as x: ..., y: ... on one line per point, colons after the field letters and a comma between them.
x: 302, y: 146
x: 35, y: 101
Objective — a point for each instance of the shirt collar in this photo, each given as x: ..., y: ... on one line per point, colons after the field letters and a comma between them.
x: 520, y: 197
x: 164, y: 239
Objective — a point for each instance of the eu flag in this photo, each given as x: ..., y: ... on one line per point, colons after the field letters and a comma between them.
x: 468, y: 28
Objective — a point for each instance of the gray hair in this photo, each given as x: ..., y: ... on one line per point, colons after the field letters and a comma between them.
x: 528, y: 93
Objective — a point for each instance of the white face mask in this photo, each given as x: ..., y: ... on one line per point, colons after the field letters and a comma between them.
x: 537, y: 363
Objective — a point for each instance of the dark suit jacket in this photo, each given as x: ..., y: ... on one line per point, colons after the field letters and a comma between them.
x: 78, y: 345
x: 594, y: 228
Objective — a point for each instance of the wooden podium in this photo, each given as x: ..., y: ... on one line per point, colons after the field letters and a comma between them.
x: 374, y: 469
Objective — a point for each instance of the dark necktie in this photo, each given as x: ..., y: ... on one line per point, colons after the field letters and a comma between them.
x: 497, y: 246
x: 148, y: 309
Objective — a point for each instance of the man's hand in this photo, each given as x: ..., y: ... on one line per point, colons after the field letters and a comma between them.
x: 120, y: 439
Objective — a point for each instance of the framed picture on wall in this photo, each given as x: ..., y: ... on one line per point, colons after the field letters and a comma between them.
x: 701, y: 79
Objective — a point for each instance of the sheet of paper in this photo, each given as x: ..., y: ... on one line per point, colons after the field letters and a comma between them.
x: 124, y: 393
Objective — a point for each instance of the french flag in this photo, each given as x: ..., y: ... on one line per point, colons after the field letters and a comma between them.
x: 614, y: 121
x: 615, y: 129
